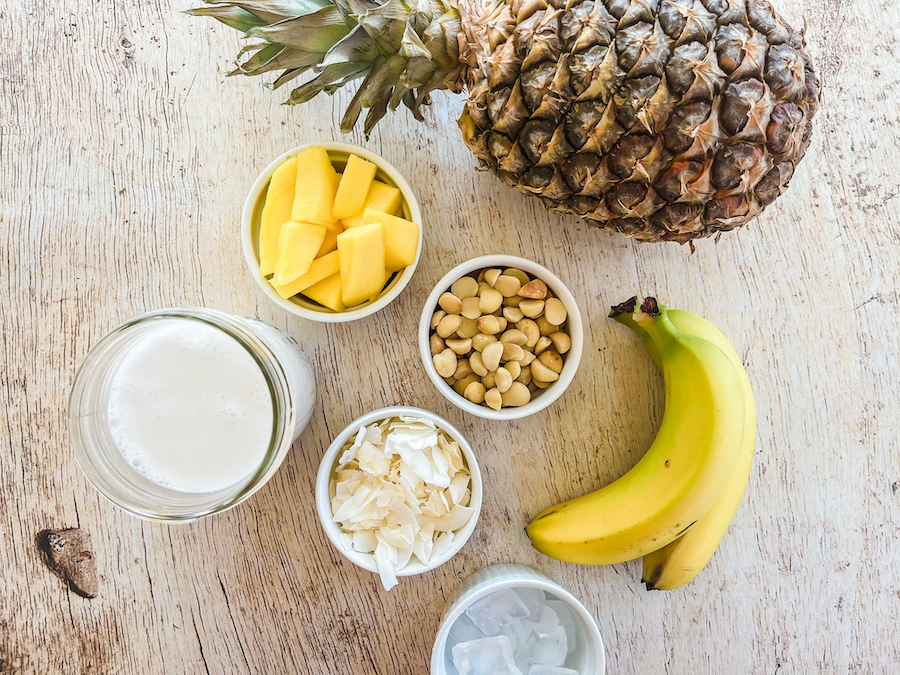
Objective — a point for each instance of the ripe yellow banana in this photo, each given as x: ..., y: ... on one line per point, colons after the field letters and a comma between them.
x: 679, y: 478
x: 678, y: 563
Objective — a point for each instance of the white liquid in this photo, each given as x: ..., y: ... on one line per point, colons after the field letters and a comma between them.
x: 190, y: 409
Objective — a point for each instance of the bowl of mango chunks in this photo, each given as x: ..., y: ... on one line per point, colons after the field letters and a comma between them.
x: 331, y: 232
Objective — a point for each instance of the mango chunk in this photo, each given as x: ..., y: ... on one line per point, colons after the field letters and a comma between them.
x: 276, y: 212
x: 361, y: 252
x: 297, y: 248
x: 401, y: 238
x: 354, y: 187
x: 387, y: 277
x: 335, y: 225
x: 314, y: 187
x: 329, y: 244
x: 381, y: 197
x: 352, y: 221
x: 327, y: 293
x: 319, y: 269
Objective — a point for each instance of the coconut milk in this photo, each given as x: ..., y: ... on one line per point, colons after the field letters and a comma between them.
x: 190, y: 409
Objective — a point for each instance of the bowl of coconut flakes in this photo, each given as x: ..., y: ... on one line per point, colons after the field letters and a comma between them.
x: 399, y: 492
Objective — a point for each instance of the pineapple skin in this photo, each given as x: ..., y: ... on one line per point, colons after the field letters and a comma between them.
x: 664, y: 120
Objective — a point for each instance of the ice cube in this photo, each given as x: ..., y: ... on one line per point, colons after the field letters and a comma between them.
x: 543, y: 625
x: 516, y: 631
x: 487, y: 656
x: 533, y: 599
x: 463, y: 630
x: 549, y: 650
x: 567, y: 621
x: 539, y: 669
x: 494, y: 611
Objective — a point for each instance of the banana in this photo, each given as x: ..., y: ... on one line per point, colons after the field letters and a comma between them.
x: 679, y: 562
x: 679, y: 478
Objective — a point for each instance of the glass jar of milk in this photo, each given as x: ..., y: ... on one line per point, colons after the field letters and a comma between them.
x: 181, y: 413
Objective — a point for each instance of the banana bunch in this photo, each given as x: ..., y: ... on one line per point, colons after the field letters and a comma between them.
x: 674, y: 506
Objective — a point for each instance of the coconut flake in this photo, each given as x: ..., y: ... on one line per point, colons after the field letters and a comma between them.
x: 458, y: 487
x: 346, y: 539
x: 422, y: 549
x: 364, y: 541
x: 400, y: 489
x: 372, y: 459
x: 442, y: 544
x: 454, y: 454
x: 454, y: 520
x: 350, y: 452
x: 386, y: 568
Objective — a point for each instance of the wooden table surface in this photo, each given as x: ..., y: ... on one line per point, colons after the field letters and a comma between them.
x: 125, y: 155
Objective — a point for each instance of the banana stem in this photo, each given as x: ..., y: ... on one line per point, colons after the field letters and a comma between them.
x: 624, y: 314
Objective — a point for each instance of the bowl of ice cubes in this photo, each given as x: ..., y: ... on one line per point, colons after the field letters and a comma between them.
x: 512, y: 620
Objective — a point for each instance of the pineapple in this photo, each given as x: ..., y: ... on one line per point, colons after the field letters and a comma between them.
x: 665, y: 120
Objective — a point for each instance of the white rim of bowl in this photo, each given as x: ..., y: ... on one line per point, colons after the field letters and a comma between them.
x: 323, y: 479
x: 487, y: 587
x: 573, y: 357
x: 326, y: 315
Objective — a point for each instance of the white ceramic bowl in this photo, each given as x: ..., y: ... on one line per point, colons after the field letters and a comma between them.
x: 323, y: 478
x: 588, y: 658
x: 339, y: 153
x: 541, y: 399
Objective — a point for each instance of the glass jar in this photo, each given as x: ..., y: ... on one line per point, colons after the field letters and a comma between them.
x: 288, y: 375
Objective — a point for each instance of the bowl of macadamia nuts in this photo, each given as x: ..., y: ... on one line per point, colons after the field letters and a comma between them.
x: 501, y: 337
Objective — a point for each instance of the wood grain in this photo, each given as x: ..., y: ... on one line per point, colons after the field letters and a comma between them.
x: 125, y: 156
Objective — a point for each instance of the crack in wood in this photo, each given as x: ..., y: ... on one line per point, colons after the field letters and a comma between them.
x: 199, y: 642
x: 237, y: 632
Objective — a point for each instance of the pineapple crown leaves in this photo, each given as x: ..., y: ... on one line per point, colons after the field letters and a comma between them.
x: 403, y: 49
x: 243, y: 16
